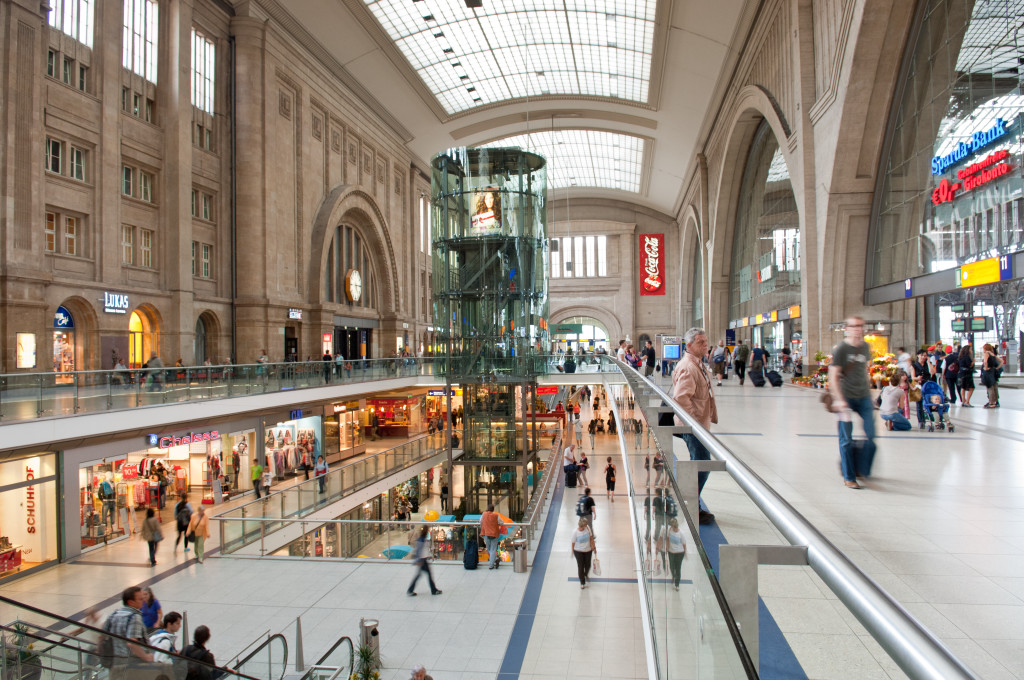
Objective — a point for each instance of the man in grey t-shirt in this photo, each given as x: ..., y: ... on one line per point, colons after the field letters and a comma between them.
x: 850, y: 385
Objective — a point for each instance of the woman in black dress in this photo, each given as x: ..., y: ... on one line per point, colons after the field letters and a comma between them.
x: 966, y: 375
x: 609, y: 480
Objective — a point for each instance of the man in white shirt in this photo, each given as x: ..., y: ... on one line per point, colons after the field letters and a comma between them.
x: 164, y: 638
x: 620, y: 353
x: 903, y: 360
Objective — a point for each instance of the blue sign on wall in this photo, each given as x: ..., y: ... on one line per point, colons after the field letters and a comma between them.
x: 62, y: 319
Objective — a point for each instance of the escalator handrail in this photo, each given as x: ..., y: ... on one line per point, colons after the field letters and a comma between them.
x: 265, y: 643
x: 320, y: 665
x: 913, y: 647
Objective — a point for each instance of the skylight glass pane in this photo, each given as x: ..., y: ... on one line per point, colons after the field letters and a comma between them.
x: 585, y: 158
x: 511, y: 49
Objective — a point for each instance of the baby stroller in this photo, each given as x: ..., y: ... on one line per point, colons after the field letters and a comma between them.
x: 933, y: 400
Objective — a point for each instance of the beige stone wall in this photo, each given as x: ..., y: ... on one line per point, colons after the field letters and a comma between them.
x: 306, y: 148
x: 822, y: 74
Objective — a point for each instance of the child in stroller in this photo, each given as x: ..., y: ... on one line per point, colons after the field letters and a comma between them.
x: 933, y: 399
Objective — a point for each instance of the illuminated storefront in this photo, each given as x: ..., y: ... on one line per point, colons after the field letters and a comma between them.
x: 28, y: 513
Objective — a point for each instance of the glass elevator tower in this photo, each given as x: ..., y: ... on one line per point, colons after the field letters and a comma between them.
x: 490, y: 298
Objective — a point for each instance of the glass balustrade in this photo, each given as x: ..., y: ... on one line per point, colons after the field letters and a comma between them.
x: 269, y: 661
x: 27, y: 396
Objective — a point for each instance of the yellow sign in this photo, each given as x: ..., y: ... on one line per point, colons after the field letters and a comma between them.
x: 794, y: 312
x: 775, y: 316
x: 979, y: 273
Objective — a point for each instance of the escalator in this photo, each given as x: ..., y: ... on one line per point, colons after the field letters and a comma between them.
x: 37, y: 644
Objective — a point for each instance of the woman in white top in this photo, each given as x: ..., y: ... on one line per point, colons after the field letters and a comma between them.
x: 583, y: 550
x: 892, y: 407
x: 672, y: 541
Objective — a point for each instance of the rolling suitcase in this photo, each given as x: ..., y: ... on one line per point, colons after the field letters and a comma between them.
x: 570, y: 479
x: 774, y: 378
x: 757, y: 377
x: 471, y: 558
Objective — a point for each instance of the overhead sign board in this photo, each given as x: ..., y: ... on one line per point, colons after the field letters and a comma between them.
x: 992, y: 270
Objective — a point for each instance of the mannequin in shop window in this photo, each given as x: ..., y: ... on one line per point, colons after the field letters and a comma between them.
x: 105, y: 491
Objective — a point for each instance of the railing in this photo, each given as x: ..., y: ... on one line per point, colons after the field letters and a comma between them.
x: 251, y: 522
x: 332, y: 664
x: 27, y: 396
x: 917, y: 652
x: 269, y: 660
x: 37, y: 643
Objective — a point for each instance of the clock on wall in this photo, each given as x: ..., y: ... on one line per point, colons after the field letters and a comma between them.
x: 353, y: 285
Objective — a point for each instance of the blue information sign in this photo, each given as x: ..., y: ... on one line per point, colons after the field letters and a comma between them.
x: 908, y: 288
x: 1005, y: 267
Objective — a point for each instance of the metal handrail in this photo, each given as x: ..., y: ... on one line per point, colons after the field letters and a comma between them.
x: 915, y: 649
x: 275, y: 636
x: 320, y: 665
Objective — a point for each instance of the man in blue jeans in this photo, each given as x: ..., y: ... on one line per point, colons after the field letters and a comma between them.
x: 850, y: 385
x: 691, y: 388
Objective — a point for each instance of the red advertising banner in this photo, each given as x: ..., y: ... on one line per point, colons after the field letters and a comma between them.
x: 547, y: 389
x: 652, y: 264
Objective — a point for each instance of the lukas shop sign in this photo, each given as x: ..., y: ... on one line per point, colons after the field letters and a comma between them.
x: 652, y: 264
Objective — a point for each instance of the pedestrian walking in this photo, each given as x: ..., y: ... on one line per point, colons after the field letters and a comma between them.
x: 199, y: 531
x: 672, y: 541
x: 421, y: 558
x: 739, y: 360
x: 268, y: 479
x: 849, y: 385
x: 257, y: 472
x: 152, y: 534
x: 490, y: 529
x: 320, y: 472
x: 583, y: 548
x: 592, y: 429
x: 586, y: 509
x: 182, y: 515
x: 609, y: 480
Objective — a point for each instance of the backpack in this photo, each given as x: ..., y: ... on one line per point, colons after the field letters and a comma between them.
x: 182, y: 515
x: 581, y: 506
x: 670, y: 506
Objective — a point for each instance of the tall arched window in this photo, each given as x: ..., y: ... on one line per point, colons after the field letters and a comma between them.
x: 349, y: 277
x: 200, y: 341
x: 765, y: 272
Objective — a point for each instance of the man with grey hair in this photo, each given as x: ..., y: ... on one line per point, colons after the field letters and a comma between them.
x: 420, y: 673
x: 691, y: 388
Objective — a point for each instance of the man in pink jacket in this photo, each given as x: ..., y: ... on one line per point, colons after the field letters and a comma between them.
x: 691, y: 388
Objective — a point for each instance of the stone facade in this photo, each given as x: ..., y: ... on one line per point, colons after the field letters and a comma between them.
x: 300, y: 151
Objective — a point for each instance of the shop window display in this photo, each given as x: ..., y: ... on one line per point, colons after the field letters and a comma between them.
x: 28, y: 513
x: 292, y: 446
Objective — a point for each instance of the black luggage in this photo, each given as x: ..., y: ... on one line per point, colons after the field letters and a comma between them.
x: 472, y: 557
x: 756, y: 377
x: 774, y: 378
x: 570, y: 479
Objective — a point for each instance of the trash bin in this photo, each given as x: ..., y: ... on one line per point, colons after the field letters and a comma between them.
x: 519, y: 556
x: 369, y: 636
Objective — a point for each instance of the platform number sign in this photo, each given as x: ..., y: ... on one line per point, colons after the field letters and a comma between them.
x: 1005, y: 267
x: 908, y: 288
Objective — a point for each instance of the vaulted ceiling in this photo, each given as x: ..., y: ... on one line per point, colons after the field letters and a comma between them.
x: 613, y: 92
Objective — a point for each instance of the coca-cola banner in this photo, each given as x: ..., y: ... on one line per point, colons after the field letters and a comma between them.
x: 652, y: 264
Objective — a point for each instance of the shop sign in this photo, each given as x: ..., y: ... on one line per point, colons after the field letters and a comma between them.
x: 765, y: 274
x: 296, y: 414
x: 115, y: 303
x: 978, y: 141
x: 168, y: 441
x: 652, y: 268
x: 567, y: 328
x: 973, y: 176
x: 129, y: 471
x: 794, y: 312
x: 30, y: 501
x: 547, y: 389
x: 294, y: 313
x: 62, y: 319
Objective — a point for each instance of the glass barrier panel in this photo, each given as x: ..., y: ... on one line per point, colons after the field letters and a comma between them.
x: 268, y: 662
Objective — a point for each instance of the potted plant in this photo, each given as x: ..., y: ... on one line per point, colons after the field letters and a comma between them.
x: 367, y: 662
x: 21, y: 661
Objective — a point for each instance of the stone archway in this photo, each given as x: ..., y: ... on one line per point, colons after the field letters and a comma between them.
x: 354, y: 206
x: 606, y: 317
x: 207, y: 339
x: 85, y: 351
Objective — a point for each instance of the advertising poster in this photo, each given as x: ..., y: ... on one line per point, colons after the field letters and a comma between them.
x: 486, y: 212
x: 652, y: 264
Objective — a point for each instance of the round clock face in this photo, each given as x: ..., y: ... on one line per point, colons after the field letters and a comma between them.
x: 353, y: 285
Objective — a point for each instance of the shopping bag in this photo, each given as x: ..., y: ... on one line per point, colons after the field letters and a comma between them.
x: 596, y: 567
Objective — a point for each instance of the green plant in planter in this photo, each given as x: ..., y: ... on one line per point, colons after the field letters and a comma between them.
x: 367, y: 663
x: 21, y: 661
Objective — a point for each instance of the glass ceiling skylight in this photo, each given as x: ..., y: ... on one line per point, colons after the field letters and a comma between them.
x: 510, y: 49
x: 585, y: 158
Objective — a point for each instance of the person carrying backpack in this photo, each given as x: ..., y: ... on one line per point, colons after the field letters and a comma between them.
x: 182, y: 515
x: 739, y: 360
x: 586, y: 509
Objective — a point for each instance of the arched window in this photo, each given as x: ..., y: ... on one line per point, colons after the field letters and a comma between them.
x: 349, y: 277
x: 200, y: 341
x: 765, y: 273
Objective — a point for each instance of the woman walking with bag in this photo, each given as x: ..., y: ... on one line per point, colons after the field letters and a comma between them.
x: 966, y: 375
x: 199, y: 531
x: 672, y: 541
x: 583, y: 550
x: 583, y: 465
x: 152, y: 534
